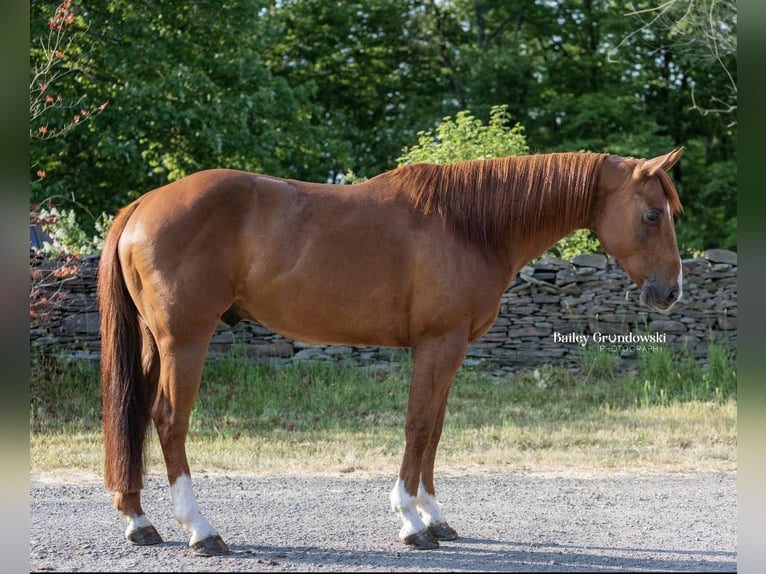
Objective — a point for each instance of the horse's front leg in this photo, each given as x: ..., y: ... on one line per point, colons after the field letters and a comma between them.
x: 428, y: 507
x: 434, y: 364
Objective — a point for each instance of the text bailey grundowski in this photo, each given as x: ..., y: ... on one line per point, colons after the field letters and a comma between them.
x: 582, y: 339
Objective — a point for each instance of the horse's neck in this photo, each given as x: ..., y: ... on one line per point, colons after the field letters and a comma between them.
x: 546, y: 220
x: 524, y: 248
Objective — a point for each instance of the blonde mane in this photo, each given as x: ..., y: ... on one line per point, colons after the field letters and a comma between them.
x: 487, y: 200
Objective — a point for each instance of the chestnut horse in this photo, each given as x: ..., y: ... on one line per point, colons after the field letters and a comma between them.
x: 416, y: 257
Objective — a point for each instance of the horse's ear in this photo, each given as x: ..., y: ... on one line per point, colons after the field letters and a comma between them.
x: 650, y: 167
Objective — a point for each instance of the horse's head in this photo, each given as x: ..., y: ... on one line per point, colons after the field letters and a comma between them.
x: 633, y: 218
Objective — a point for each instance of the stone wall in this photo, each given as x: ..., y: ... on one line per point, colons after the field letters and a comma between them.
x: 552, y: 312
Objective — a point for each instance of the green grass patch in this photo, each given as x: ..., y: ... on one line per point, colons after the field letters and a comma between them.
x: 247, y: 397
x: 671, y: 412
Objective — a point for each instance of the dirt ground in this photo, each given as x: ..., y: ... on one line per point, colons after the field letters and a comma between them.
x: 342, y: 522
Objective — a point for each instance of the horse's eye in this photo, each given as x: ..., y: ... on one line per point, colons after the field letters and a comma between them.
x: 652, y: 215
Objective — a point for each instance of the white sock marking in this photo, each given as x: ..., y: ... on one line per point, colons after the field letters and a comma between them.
x: 187, y: 511
x: 404, y: 503
x: 428, y: 507
x: 135, y: 522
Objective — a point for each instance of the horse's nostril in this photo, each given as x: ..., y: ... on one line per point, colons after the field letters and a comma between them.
x: 673, y: 294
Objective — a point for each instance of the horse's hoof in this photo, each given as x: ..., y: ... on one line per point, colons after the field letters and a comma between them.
x: 210, y: 546
x: 442, y: 531
x: 422, y: 540
x: 145, y: 536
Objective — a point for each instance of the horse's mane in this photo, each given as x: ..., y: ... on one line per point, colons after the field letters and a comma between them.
x: 484, y: 200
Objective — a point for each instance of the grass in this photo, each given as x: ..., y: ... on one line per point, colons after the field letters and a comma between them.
x: 669, y: 413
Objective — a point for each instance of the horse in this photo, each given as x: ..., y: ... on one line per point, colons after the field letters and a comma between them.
x: 415, y: 257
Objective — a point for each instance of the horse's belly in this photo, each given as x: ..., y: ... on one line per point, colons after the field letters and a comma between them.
x: 346, y: 305
x: 331, y: 321
x: 391, y: 308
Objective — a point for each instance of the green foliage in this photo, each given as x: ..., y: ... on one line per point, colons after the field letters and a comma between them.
x: 576, y: 243
x: 664, y: 376
x: 311, y: 89
x: 63, y: 394
x: 186, y: 92
x: 467, y: 137
x: 709, y: 195
x: 373, y: 70
x: 668, y: 376
x: 307, y: 396
x: 597, y: 363
x: 54, y: 109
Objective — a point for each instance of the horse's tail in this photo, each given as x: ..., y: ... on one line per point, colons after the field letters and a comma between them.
x: 124, y: 394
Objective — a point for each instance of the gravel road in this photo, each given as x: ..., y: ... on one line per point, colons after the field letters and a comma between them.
x: 507, y: 522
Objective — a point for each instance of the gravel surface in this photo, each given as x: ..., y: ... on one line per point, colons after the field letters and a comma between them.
x: 507, y: 522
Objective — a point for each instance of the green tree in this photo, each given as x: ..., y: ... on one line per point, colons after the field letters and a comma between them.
x: 61, y: 55
x: 579, y: 76
x: 56, y: 108
x: 186, y: 92
x: 310, y: 88
x: 467, y: 137
x: 692, y: 94
x: 703, y: 34
x: 375, y: 78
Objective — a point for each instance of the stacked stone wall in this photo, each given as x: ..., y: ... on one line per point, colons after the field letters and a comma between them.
x: 553, y: 312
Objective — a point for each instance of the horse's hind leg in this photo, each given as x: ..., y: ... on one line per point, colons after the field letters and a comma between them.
x: 180, y: 377
x: 140, y: 530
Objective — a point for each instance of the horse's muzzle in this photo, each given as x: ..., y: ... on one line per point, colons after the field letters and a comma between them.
x: 660, y: 296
